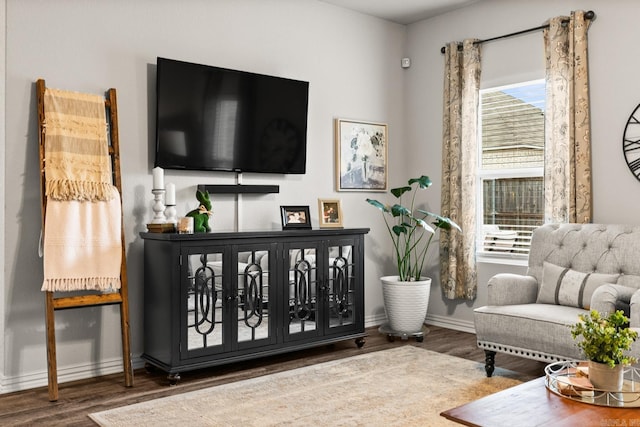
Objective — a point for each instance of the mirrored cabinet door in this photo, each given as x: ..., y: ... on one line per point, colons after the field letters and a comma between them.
x: 341, y: 283
x: 203, y: 300
x: 255, y: 296
x: 303, y: 288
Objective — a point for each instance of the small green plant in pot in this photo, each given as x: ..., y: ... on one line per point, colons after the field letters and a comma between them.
x: 605, y: 341
x: 411, y: 231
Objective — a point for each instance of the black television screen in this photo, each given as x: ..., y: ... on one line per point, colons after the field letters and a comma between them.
x: 211, y: 118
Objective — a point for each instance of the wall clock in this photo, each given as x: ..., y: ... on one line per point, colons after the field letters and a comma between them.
x: 631, y: 142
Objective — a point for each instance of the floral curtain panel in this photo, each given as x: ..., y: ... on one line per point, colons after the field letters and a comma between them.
x: 568, y: 186
x: 458, y: 275
x: 567, y: 176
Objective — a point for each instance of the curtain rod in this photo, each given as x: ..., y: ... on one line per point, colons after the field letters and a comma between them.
x: 588, y: 15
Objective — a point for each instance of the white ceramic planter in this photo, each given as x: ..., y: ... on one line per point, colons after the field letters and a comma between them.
x: 604, y: 377
x: 405, y: 303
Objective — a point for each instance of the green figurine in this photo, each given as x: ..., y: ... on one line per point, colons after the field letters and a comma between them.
x: 201, y: 214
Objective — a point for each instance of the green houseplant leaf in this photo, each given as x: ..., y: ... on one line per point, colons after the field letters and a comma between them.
x: 605, y: 339
x: 411, y: 230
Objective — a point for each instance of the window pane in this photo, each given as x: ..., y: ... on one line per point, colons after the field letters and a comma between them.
x: 511, y: 163
x: 513, y: 127
x: 512, y: 208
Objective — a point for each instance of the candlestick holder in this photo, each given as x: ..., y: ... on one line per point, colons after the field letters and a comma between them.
x: 170, y: 212
x: 158, y: 207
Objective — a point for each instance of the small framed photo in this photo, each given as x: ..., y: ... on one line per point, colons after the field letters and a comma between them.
x: 330, y: 213
x: 361, y: 155
x: 295, y: 217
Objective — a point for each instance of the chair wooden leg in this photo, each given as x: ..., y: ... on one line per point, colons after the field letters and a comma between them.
x: 489, y: 362
x: 52, y: 367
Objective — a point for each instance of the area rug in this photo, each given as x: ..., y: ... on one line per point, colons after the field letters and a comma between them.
x: 403, y: 386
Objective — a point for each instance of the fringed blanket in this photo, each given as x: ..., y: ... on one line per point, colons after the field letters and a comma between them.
x: 77, y: 162
x: 82, y: 245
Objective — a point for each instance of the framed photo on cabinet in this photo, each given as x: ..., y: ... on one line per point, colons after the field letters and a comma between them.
x: 329, y: 213
x: 295, y: 217
x: 361, y: 155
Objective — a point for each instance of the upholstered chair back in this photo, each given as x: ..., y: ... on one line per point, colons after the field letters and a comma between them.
x: 588, y: 248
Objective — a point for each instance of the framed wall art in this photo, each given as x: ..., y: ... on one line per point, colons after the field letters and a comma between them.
x: 361, y: 155
x: 295, y: 217
x: 329, y: 213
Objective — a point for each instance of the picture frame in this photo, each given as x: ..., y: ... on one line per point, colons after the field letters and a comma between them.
x: 329, y: 213
x: 361, y: 155
x: 295, y: 217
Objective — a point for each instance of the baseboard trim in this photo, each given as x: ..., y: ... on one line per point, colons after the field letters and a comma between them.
x: 451, y: 323
x: 376, y: 320
x: 65, y: 374
x: 435, y: 320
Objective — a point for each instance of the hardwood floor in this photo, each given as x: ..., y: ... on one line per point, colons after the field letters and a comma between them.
x: 79, y: 398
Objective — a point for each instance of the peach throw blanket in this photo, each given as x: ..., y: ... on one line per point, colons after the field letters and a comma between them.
x: 82, y: 245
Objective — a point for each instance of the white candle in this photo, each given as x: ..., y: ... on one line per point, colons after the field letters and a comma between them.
x: 170, y: 198
x: 158, y: 178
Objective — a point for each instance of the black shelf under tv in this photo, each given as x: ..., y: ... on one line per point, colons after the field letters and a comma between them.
x: 239, y: 189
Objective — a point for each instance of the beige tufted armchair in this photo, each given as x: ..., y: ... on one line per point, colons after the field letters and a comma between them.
x: 572, y: 268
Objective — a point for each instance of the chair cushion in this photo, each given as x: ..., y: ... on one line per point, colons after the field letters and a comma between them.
x: 564, y: 286
x: 533, y: 328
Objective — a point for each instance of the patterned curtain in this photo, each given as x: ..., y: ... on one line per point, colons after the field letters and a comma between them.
x: 458, y: 276
x: 567, y: 176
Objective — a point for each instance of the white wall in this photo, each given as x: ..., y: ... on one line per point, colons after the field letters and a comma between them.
x: 615, y: 92
x: 352, y: 62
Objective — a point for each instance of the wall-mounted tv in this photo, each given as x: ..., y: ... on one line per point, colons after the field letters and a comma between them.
x: 216, y: 119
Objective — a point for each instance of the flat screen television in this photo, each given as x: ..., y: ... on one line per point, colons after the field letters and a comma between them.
x: 216, y: 119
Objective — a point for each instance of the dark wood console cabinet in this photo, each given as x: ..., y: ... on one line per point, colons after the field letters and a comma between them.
x: 214, y: 298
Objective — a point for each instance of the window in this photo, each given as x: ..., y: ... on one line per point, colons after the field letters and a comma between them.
x: 511, y: 168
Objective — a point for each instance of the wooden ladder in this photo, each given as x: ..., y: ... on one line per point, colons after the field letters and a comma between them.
x: 88, y: 298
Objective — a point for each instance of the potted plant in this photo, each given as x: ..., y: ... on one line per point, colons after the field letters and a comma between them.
x: 604, y: 343
x: 406, y: 294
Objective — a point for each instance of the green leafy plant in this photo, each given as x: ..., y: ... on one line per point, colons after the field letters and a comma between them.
x: 410, y: 232
x: 605, y: 339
